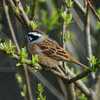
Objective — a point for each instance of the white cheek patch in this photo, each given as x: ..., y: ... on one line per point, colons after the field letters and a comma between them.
x: 35, y: 33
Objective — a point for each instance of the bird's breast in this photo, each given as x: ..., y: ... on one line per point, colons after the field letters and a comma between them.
x: 34, y: 49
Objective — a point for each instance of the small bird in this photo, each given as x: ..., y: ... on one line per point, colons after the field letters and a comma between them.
x: 47, y: 48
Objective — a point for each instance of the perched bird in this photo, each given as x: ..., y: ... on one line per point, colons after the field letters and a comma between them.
x: 48, y: 49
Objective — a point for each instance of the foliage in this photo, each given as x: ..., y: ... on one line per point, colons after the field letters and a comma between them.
x: 68, y: 36
x: 35, y: 59
x: 50, y: 21
x: 98, y: 23
x: 33, y: 24
x: 69, y: 3
x: 7, y: 46
x: 40, y: 92
x: 82, y: 97
x: 95, y: 63
x: 22, y: 84
x: 23, y: 55
x: 10, y: 49
x: 67, y: 18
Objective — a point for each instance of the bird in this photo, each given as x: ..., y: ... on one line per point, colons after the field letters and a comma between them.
x: 45, y: 47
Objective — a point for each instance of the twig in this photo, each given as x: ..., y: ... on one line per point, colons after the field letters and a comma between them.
x: 79, y: 83
x: 10, y: 25
x: 59, y: 74
x: 79, y: 76
x: 70, y: 88
x: 84, y: 11
x: 20, y: 14
x: 89, y: 46
x: 18, y: 49
x: 93, y: 10
x: 97, y: 89
x: 47, y: 84
x: 88, y: 37
x: 16, y: 11
x: 34, y: 2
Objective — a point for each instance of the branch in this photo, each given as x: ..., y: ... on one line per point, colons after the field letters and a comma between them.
x: 93, y: 10
x: 83, y: 9
x: 20, y: 14
x: 79, y: 76
x: 10, y: 25
x: 88, y: 37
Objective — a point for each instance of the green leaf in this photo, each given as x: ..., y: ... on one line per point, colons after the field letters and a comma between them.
x: 23, y: 55
x: 68, y: 36
x: 24, y: 90
x: 40, y: 91
x: 82, y: 97
x: 33, y: 25
x: 18, y: 64
x: 27, y: 10
x: 94, y: 62
x: 69, y: 3
x: 17, y: 10
x: 98, y: 11
x: 34, y: 59
x: 7, y: 46
x: 98, y: 25
x: 19, y: 78
x: 67, y: 17
x: 50, y: 21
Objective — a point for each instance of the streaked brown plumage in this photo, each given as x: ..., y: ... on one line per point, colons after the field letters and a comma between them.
x: 51, y: 49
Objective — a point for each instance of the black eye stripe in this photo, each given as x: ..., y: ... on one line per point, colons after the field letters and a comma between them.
x: 32, y: 37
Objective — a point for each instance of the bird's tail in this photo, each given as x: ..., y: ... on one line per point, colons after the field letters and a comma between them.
x: 79, y: 63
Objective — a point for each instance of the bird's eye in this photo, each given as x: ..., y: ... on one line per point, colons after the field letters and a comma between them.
x: 32, y: 38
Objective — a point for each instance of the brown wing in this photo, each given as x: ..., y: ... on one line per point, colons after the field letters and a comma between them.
x: 53, y: 49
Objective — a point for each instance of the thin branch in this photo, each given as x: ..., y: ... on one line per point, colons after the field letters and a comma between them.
x: 47, y: 84
x: 97, y: 89
x: 70, y: 88
x: 20, y: 13
x: 10, y: 25
x: 79, y: 76
x: 88, y: 37
x: 89, y: 46
x: 34, y: 2
x: 16, y: 11
x: 93, y: 10
x: 84, y: 10
x: 79, y: 83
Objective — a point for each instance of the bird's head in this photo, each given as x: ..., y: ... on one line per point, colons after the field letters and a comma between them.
x: 34, y: 37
